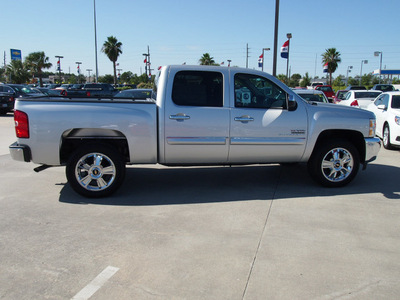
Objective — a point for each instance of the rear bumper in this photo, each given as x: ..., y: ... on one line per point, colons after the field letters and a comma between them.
x: 20, y: 152
x: 372, y: 147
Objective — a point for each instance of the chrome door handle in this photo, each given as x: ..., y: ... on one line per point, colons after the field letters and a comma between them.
x: 179, y: 117
x: 244, y: 119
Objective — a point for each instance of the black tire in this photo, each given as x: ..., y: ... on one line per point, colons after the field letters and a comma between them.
x: 334, y: 163
x: 95, y: 170
x: 386, y: 138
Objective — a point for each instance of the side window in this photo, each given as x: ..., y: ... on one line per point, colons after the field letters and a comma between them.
x: 385, y: 100
x: 378, y: 101
x: 258, y: 92
x: 198, y: 88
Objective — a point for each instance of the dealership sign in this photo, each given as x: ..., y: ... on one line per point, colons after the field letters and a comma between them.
x: 16, y: 54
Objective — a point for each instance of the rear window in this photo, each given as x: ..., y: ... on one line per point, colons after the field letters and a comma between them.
x: 366, y: 94
x: 198, y: 88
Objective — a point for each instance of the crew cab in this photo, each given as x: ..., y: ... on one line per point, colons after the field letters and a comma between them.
x: 201, y: 115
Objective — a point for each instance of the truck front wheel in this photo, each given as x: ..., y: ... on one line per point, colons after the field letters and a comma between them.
x: 95, y: 170
x: 334, y: 163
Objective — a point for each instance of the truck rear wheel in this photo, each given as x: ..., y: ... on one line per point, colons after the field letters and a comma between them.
x: 95, y: 170
x: 334, y: 164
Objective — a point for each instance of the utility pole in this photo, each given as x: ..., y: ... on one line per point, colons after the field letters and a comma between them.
x: 247, y: 55
x: 147, y: 62
x: 119, y: 73
x: 79, y: 71
x: 95, y: 40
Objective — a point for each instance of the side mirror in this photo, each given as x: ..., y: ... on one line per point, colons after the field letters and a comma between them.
x: 292, y: 104
x: 382, y: 106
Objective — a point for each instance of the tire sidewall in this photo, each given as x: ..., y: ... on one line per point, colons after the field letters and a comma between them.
x: 315, y: 162
x: 106, y: 150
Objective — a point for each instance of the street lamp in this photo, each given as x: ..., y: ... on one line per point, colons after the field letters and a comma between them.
x: 289, y: 36
x: 347, y: 74
x: 362, y: 62
x: 266, y: 49
x: 59, y: 65
x: 229, y: 62
x: 89, y: 70
x: 377, y: 53
x: 95, y: 40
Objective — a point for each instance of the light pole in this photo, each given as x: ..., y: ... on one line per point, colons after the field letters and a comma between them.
x: 347, y: 74
x: 362, y: 62
x: 289, y: 36
x: 275, y: 37
x: 59, y: 65
x: 95, y: 40
x: 79, y: 70
x: 229, y: 62
x: 262, y: 66
x: 89, y: 70
x: 377, y: 53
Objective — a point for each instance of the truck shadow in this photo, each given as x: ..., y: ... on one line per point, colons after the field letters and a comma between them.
x: 171, y: 186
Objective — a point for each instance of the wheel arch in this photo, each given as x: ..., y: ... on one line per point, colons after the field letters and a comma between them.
x: 72, y: 139
x: 352, y: 136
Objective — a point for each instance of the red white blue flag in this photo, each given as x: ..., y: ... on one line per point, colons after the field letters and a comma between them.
x: 260, y: 61
x: 325, y: 68
x: 285, y: 50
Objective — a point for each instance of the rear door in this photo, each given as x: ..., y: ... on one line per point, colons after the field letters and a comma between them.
x: 196, y: 120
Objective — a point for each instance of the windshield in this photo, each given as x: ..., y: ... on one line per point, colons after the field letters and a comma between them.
x: 313, y: 97
x: 24, y: 89
x: 135, y: 94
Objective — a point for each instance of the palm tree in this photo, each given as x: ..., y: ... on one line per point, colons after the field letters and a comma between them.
x: 112, y: 48
x: 17, y: 72
x: 206, y: 59
x: 37, y: 61
x: 332, y: 58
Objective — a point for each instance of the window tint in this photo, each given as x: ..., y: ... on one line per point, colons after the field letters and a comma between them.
x: 366, y: 94
x: 378, y: 101
x: 395, y: 101
x: 257, y: 92
x: 198, y: 88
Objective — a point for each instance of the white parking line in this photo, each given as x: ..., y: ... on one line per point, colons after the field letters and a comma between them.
x: 96, y: 284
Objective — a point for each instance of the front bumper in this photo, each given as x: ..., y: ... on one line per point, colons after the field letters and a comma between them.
x: 372, y: 147
x: 20, y: 152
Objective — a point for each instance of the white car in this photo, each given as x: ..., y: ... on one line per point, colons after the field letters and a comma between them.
x: 387, y: 111
x: 359, y: 98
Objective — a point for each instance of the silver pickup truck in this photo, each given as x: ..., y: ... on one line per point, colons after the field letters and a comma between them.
x: 202, y: 115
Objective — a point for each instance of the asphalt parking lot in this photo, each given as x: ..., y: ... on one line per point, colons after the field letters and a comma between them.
x: 248, y: 232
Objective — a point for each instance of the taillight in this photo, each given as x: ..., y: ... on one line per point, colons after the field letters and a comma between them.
x: 354, y: 103
x: 11, y: 99
x: 87, y: 94
x: 21, y: 124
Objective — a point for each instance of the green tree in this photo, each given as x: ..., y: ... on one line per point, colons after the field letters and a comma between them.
x: 207, y: 60
x: 17, y: 72
x: 126, y: 77
x: 112, y: 48
x: 339, y: 81
x: 294, y: 80
x: 35, y: 62
x: 305, y: 81
x: 332, y: 58
x: 282, y: 77
x: 106, y: 79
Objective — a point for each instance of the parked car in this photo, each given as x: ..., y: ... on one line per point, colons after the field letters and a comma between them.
x: 387, y: 111
x: 355, y: 87
x: 339, y: 96
x: 359, y: 98
x: 7, y: 101
x: 328, y: 91
x: 136, y: 94
x: 384, y: 87
x: 20, y: 90
x: 312, y: 95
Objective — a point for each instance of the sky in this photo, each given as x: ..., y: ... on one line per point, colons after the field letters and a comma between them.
x: 181, y: 31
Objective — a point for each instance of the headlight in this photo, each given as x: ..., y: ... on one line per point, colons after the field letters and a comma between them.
x: 372, y: 127
x: 397, y: 120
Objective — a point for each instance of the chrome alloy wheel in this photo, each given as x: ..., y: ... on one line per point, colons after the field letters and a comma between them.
x: 337, y: 164
x: 95, y: 171
x: 386, y: 138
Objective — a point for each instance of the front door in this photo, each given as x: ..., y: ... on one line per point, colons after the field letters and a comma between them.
x: 262, y: 127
